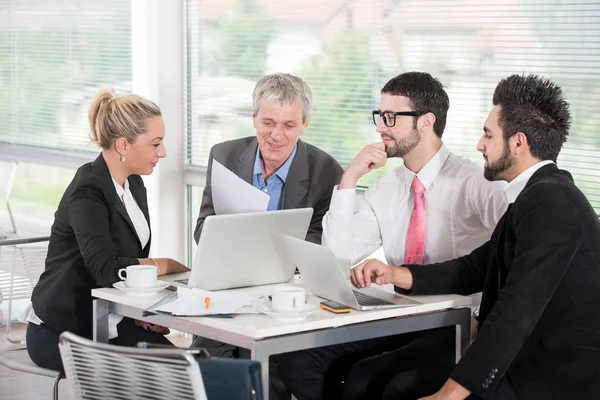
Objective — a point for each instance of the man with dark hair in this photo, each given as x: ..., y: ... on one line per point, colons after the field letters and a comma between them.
x: 436, y: 207
x: 539, y: 325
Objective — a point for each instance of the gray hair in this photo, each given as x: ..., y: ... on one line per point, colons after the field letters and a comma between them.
x: 284, y: 88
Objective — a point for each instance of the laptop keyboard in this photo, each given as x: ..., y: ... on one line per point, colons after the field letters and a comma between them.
x: 366, y: 300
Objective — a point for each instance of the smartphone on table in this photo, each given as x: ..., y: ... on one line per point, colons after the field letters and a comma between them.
x: 334, y: 307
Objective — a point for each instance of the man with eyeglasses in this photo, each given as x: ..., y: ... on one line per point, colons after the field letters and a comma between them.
x: 436, y: 207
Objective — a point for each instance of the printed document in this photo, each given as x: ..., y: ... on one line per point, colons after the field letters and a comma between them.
x: 232, y: 195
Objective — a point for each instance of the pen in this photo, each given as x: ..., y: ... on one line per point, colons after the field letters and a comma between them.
x: 206, y: 302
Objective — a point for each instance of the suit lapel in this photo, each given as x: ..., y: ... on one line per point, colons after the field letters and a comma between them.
x: 296, y: 184
x: 245, y: 164
x: 139, y: 194
x: 494, y: 280
x: 101, y: 169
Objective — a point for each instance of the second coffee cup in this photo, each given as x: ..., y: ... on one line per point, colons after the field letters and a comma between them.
x: 288, y: 299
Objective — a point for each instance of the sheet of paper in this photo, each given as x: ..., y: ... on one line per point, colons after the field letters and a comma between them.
x: 232, y: 195
x: 193, y: 302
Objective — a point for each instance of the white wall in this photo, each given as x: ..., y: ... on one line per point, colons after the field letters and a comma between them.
x: 158, y: 73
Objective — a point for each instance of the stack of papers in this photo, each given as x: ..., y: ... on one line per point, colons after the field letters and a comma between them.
x: 193, y: 302
x: 232, y: 195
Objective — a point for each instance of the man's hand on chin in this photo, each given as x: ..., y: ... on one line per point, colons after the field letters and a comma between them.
x: 450, y: 391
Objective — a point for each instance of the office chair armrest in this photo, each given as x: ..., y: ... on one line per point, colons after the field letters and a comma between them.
x: 197, y: 352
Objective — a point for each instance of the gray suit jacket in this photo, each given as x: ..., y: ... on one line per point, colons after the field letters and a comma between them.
x: 310, y: 181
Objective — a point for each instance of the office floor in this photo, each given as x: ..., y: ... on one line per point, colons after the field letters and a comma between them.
x: 18, y: 386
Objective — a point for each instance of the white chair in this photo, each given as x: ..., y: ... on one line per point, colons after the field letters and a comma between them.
x: 21, y: 264
x: 104, y: 371
x: 22, y: 261
x: 18, y: 360
x: 8, y: 193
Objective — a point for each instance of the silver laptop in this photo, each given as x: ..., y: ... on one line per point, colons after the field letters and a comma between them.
x: 237, y: 250
x: 324, y: 277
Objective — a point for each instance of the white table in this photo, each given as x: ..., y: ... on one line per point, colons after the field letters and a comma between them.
x: 265, y: 336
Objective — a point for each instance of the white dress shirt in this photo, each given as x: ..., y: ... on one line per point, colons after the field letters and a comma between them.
x: 135, y: 213
x: 514, y: 188
x: 143, y: 232
x: 462, y: 211
x: 141, y: 229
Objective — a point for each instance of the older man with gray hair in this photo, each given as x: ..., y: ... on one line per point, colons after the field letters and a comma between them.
x: 294, y: 174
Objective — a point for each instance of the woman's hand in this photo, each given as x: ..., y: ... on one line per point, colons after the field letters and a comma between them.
x: 165, y: 265
x: 174, y: 266
x: 161, y: 330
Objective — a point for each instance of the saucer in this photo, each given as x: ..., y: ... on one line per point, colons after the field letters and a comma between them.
x: 160, y: 285
x: 264, y: 307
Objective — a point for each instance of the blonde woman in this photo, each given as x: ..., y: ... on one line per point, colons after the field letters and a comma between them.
x: 101, y: 225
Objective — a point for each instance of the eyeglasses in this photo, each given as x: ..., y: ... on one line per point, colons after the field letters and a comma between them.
x: 389, y: 117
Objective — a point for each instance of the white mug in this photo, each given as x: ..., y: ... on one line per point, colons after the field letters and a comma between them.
x: 288, y: 299
x: 139, y: 276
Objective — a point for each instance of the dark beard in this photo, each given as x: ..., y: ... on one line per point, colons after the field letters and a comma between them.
x: 492, y: 171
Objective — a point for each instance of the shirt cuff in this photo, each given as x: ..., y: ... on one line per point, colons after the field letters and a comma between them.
x: 342, y: 202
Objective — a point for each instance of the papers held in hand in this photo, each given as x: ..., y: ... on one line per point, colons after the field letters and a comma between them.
x: 193, y: 302
x: 232, y: 195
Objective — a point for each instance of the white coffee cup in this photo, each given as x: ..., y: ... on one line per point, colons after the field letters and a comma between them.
x: 288, y: 299
x: 139, y: 276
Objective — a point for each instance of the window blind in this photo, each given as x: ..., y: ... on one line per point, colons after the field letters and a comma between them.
x: 347, y: 50
x: 54, y: 56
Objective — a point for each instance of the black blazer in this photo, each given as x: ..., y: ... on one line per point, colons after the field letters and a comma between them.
x: 310, y: 182
x: 540, y: 310
x: 91, y: 238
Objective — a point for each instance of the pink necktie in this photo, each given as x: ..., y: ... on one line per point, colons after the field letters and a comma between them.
x: 417, y: 228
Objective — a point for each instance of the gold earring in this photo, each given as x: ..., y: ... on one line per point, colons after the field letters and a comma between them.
x: 122, y: 158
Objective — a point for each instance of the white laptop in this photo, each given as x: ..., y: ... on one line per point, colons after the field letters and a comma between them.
x: 324, y: 277
x: 237, y: 250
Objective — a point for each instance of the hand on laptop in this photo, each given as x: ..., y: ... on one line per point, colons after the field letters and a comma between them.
x: 174, y: 266
x: 369, y: 271
x: 165, y: 265
x: 375, y: 271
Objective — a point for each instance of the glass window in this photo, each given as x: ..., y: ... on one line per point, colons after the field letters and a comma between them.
x: 32, y: 197
x: 346, y: 51
x: 54, y: 56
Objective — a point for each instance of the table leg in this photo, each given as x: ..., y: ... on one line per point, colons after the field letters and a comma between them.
x: 100, y: 316
x: 263, y: 357
x: 463, y: 333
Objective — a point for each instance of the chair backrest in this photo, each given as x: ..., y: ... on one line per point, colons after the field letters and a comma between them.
x: 22, y: 261
x: 103, y: 371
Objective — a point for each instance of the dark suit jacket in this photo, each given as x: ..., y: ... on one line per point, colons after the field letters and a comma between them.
x: 540, y: 310
x: 91, y: 238
x: 309, y: 183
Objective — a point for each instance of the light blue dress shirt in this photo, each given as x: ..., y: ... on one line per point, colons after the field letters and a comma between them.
x: 275, y: 183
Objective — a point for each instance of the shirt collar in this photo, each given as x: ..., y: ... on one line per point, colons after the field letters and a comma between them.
x: 430, y: 171
x: 282, y: 172
x: 516, y: 186
x: 119, y: 188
